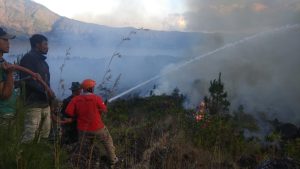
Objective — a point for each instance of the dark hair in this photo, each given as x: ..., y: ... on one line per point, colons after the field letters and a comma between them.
x: 36, y: 39
x: 91, y: 90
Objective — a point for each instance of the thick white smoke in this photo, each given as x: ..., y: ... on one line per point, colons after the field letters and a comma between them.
x: 240, y: 15
x: 260, y: 73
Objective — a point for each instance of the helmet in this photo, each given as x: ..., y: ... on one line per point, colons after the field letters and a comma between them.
x: 88, y: 83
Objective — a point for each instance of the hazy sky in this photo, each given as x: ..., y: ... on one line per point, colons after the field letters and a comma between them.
x: 153, y: 14
x: 182, y: 15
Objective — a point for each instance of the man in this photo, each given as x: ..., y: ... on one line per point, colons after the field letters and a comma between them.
x: 69, y: 130
x: 37, y: 117
x: 7, y: 95
x: 88, y: 108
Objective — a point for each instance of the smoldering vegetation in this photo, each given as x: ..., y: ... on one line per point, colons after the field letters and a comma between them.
x: 260, y: 74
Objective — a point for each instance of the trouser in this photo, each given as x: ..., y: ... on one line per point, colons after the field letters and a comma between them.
x: 37, y: 124
x: 69, y: 133
x: 7, y: 124
x: 7, y: 121
x: 103, y: 136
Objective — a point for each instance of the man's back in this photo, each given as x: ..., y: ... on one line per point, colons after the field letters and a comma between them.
x: 87, y: 108
x: 69, y: 130
x: 66, y: 102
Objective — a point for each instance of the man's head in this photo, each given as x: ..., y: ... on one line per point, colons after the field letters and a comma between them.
x: 75, y: 88
x: 4, y: 43
x: 39, y: 43
x: 88, y: 85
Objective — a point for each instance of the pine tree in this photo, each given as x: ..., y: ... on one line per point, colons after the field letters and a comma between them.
x: 217, y: 102
x: 175, y: 92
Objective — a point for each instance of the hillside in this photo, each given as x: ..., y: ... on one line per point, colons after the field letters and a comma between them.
x: 146, y: 50
x: 25, y: 17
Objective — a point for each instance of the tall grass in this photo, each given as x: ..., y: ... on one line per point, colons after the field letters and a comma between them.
x: 108, y: 85
x: 34, y: 155
x: 154, y: 132
x: 61, y: 84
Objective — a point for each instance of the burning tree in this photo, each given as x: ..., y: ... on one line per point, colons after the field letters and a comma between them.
x: 217, y: 102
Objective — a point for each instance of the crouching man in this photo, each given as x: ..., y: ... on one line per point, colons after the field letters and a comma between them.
x: 87, y: 108
x: 69, y: 130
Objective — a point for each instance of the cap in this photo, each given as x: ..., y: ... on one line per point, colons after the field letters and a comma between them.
x: 5, y: 35
x: 75, y: 86
x: 88, y: 83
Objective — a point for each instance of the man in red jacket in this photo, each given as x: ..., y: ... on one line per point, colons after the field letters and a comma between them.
x: 87, y: 108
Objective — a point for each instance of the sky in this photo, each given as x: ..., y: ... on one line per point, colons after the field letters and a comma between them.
x: 182, y: 15
x: 153, y: 14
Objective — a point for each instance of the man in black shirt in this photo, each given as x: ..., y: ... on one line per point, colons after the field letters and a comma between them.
x: 37, y: 99
x: 69, y: 130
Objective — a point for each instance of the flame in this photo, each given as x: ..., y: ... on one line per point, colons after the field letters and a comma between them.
x: 199, y: 117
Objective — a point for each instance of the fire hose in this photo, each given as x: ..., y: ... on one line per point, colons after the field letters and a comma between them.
x: 43, y: 83
x: 23, y: 69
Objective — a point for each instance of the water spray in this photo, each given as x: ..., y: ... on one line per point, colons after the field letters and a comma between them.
x: 229, y: 45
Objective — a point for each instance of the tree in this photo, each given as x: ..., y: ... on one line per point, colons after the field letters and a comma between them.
x: 217, y: 102
x: 175, y: 92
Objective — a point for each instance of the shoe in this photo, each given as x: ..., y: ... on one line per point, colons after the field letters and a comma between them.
x: 114, y: 161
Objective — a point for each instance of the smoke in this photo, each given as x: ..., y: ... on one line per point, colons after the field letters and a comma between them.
x: 261, y: 74
x: 122, y: 14
x: 240, y: 15
x: 136, y: 13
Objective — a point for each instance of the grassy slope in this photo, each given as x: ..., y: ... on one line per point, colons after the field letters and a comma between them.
x: 156, y: 132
